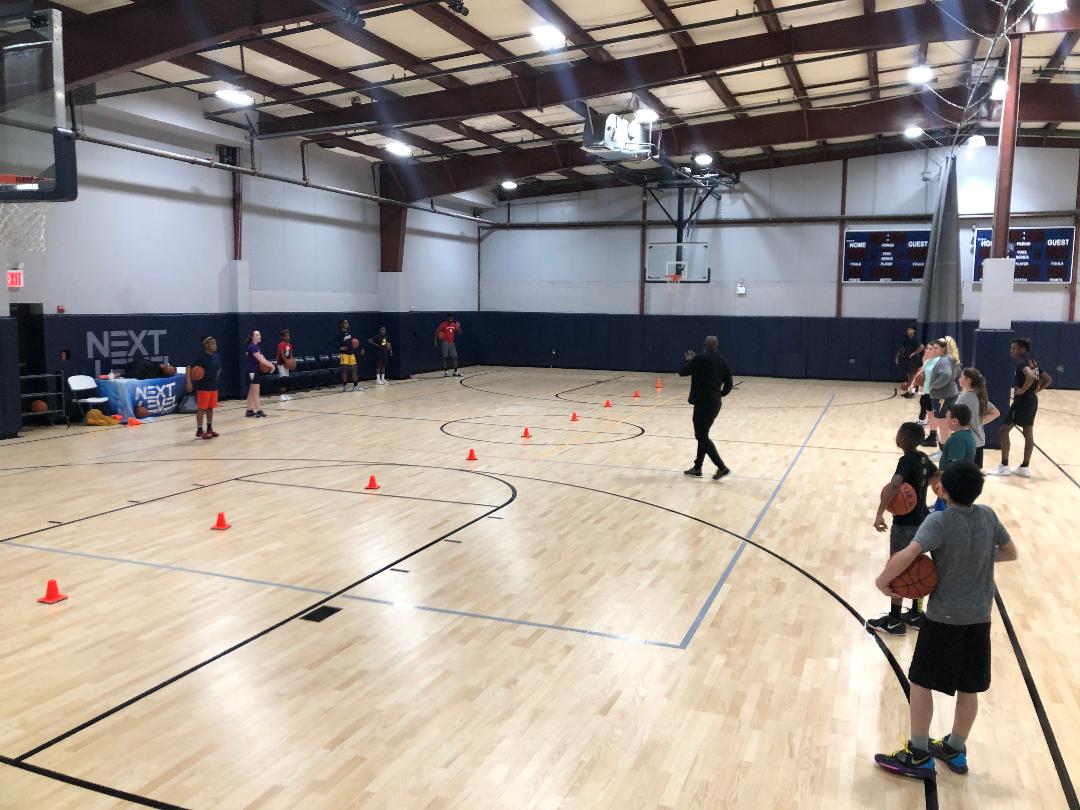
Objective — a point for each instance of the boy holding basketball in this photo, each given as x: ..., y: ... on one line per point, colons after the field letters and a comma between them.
x: 915, y: 470
x: 284, y: 363
x: 953, y: 651
x: 347, y: 346
x: 202, y: 378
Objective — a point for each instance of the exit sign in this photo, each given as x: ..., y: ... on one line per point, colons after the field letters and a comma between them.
x: 15, y: 279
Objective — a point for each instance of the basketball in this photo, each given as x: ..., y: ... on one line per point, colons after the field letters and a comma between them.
x: 918, y: 580
x: 904, y: 500
x: 266, y: 368
x: 290, y: 363
x: 141, y: 412
x: 38, y: 406
x: 167, y: 370
x: 355, y: 343
x: 197, y: 373
x: 442, y: 335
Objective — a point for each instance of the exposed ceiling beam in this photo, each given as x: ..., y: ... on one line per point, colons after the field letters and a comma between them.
x: 128, y: 37
x: 402, y: 58
x: 889, y: 29
x: 1037, y: 103
x: 597, y: 54
x: 870, y: 8
x: 666, y: 17
x: 1063, y: 51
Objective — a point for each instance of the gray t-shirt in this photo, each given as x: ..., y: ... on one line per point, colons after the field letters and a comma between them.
x: 971, y: 399
x: 962, y: 540
x: 942, y: 383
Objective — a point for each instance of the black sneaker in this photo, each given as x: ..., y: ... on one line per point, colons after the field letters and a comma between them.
x: 930, y: 442
x: 908, y: 762
x: 720, y: 473
x: 694, y: 471
x: 249, y: 413
x: 955, y: 761
x: 200, y: 433
x: 914, y: 618
x: 260, y: 415
x: 887, y: 624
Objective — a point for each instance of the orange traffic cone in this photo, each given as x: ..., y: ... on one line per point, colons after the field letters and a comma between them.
x: 52, y: 594
x: 607, y: 403
x: 526, y: 434
x: 636, y: 393
x: 221, y: 524
x: 573, y: 416
x: 659, y: 383
x: 372, y: 483
x: 472, y: 456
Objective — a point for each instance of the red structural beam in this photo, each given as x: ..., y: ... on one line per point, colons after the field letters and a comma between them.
x: 564, y: 84
x: 111, y: 42
x: 1038, y: 103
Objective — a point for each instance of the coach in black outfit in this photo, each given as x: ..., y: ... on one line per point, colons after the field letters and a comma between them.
x: 710, y: 382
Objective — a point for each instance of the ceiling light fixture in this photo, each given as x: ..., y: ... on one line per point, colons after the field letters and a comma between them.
x: 549, y: 37
x: 920, y: 74
x: 398, y: 148
x: 646, y: 115
x: 703, y: 159
x: 912, y: 132
x: 997, y: 92
x: 1049, y: 6
x: 976, y: 142
x: 509, y: 185
x: 234, y: 97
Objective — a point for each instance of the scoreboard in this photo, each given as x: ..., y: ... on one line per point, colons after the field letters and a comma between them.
x: 889, y: 256
x: 1043, y: 255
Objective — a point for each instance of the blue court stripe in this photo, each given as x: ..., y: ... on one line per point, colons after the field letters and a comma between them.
x: 692, y: 631
x: 268, y: 583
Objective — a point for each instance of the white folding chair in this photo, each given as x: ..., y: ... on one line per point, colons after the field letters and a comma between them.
x: 81, y: 385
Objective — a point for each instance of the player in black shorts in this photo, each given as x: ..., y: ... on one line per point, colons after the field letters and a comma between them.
x: 1028, y: 381
x: 909, y: 358
x: 384, y: 350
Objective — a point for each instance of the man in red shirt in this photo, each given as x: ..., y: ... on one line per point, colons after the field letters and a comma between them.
x: 445, y: 338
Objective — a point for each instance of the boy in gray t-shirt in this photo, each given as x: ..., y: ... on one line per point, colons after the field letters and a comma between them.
x: 953, y: 651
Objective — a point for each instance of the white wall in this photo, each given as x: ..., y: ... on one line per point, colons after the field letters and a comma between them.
x: 154, y: 235
x: 788, y: 269
x: 440, y: 263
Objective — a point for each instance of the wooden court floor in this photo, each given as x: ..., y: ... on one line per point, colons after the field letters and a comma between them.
x: 566, y: 622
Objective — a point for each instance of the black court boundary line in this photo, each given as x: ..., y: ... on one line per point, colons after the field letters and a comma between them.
x: 464, y: 421
x: 85, y: 784
x: 277, y: 625
x: 559, y: 395
x: 1062, y: 769
x: 930, y: 786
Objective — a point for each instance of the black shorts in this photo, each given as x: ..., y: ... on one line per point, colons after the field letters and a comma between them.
x: 1022, y: 412
x: 382, y: 356
x: 254, y: 377
x: 941, y: 406
x: 979, y: 457
x: 952, y: 658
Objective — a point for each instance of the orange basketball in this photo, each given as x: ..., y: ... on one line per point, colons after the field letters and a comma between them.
x: 290, y: 363
x: 918, y: 580
x: 38, y: 406
x: 197, y: 373
x: 904, y: 500
x: 356, y: 343
x: 141, y: 412
x: 266, y: 368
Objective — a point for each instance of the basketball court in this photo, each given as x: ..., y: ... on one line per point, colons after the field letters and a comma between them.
x: 497, y: 588
x: 567, y: 621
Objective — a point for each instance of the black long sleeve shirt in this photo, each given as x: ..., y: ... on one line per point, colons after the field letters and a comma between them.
x: 710, y: 379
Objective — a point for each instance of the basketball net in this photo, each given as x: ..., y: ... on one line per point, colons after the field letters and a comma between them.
x: 22, y: 225
x: 673, y: 278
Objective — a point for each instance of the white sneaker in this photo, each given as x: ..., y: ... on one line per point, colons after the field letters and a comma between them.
x: 936, y: 457
x: 1023, y: 472
x: 285, y: 398
x: 446, y: 373
x: 1000, y: 470
x: 923, y: 422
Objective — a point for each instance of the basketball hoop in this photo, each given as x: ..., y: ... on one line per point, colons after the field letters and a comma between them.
x: 673, y: 278
x: 22, y: 225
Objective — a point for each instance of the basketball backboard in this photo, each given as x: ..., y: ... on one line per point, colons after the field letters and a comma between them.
x: 37, y: 150
x: 689, y: 261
